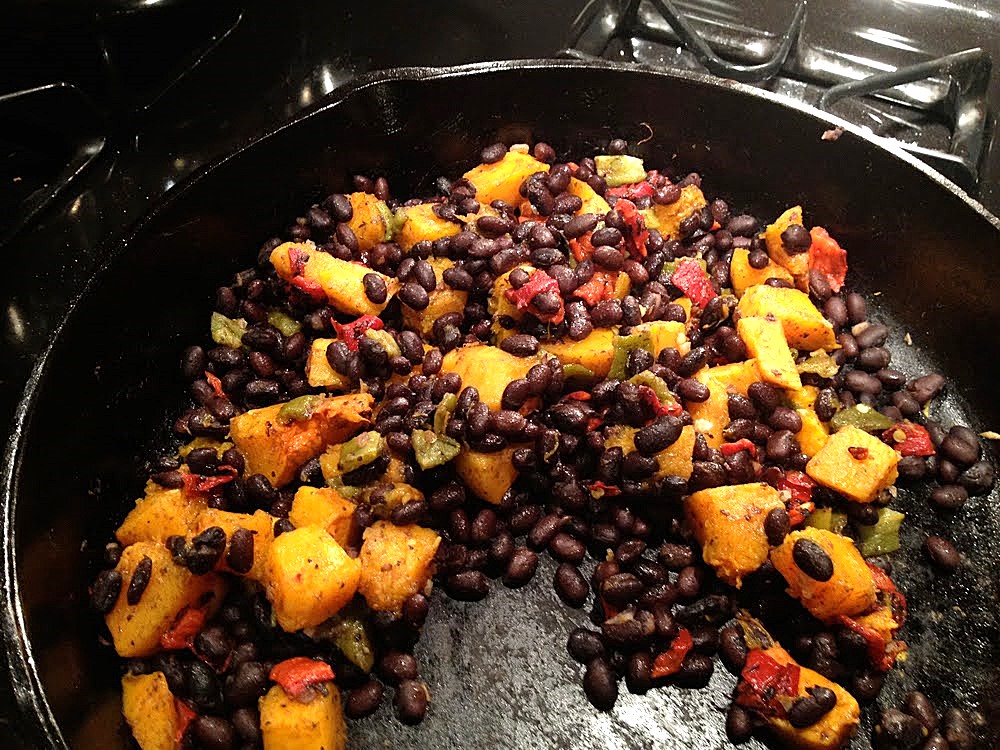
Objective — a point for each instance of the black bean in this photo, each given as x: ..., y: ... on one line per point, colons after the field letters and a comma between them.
x: 926, y: 387
x: 739, y: 724
x: 692, y: 390
x: 567, y: 549
x: 570, y: 585
x: 397, y: 666
x: 248, y: 682
x: 600, y: 683
x: 675, y: 556
x: 544, y: 529
x: 520, y: 345
x: 140, y: 579
x: 584, y: 645
x: 493, y: 153
x: 375, y: 288
x: 919, y: 706
x: 796, y: 238
x: 515, y: 394
x: 733, y: 648
x: 776, y: 526
x: 214, y: 732
x: 362, y: 701
x: 942, y: 553
x: 979, y: 478
x: 897, y: 730
x: 812, y: 560
x: 414, y: 296
x: 959, y: 449
x: 606, y: 313
x: 469, y: 586
x: 659, y: 435
x: 696, y: 671
x: 637, y: 466
x: 521, y: 568
x: 806, y: 711
x: 766, y: 396
x: 621, y: 588
x: 411, y: 701
x: 949, y: 496
x: 105, y: 590
x: 203, y: 686
x: 638, y: 675
x: 957, y: 731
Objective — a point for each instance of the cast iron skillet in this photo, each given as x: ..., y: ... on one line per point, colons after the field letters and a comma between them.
x: 105, y: 393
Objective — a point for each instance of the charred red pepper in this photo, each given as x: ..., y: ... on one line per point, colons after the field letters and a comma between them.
x: 764, y: 680
x: 743, y: 444
x: 636, y: 233
x: 538, y: 283
x: 311, y: 288
x: 198, y: 484
x: 581, y: 247
x: 909, y: 439
x: 185, y: 715
x: 799, y: 487
x: 215, y: 383
x: 827, y: 257
x: 648, y: 396
x: 578, y: 396
x: 351, y: 333
x: 299, y: 675
x: 600, y: 287
x: 693, y: 281
x: 603, y: 490
x: 185, y: 628
x: 297, y: 258
x: 636, y: 190
x: 669, y: 662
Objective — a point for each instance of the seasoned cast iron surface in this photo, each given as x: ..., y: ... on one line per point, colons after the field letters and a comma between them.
x: 498, y: 670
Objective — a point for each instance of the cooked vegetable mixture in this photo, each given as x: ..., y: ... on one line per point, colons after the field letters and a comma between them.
x: 684, y: 406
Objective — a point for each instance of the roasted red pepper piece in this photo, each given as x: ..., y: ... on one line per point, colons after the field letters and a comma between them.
x: 215, y: 383
x: 578, y: 396
x: 827, y: 257
x: 600, y: 287
x: 635, y: 190
x: 909, y: 439
x: 185, y: 628
x: 198, y: 484
x: 764, y: 680
x: 538, y: 282
x: 743, y: 444
x: 351, y: 332
x: 606, y: 490
x: 299, y: 675
x: 669, y: 662
x: 693, y: 281
x: 648, y: 395
x: 636, y: 233
x: 581, y: 247
x: 185, y: 715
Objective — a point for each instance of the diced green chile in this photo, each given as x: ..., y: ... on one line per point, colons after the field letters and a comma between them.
x: 819, y: 363
x: 827, y: 519
x: 384, y: 338
x: 226, y: 331
x: 299, y: 409
x: 658, y: 386
x: 625, y: 345
x: 883, y: 537
x: 431, y: 449
x: 574, y: 371
x: 620, y: 169
x: 348, y: 630
x: 361, y: 450
x: 284, y: 323
x: 861, y: 416
x: 444, y: 411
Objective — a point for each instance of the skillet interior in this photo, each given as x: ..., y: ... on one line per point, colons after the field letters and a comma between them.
x: 498, y: 670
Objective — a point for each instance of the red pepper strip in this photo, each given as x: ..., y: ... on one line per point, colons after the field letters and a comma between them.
x: 351, y: 332
x: 298, y: 675
x: 594, y: 423
x: 694, y: 282
x: 635, y: 190
x: 197, y: 484
x: 909, y: 439
x: 764, y: 679
x: 581, y: 247
x: 827, y: 257
x: 538, y: 282
x: 743, y: 444
x: 892, y: 596
x: 669, y: 662
x: 648, y: 396
x: 600, y: 287
x: 606, y: 490
x: 578, y: 396
x: 185, y: 715
x: 215, y: 383
x: 185, y: 628
x: 309, y: 287
x: 881, y: 656
x: 636, y: 233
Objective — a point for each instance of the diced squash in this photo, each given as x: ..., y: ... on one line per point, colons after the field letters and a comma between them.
x: 368, y: 220
x: 666, y: 334
x: 276, y: 448
x: 441, y: 301
x: 851, y: 589
x: 674, y: 460
x: 319, y: 371
x: 136, y: 629
x: 667, y: 219
x: 488, y: 368
x: 309, y: 577
x: 765, y: 341
x: 289, y: 724
x: 594, y: 352
x: 326, y: 508
x: 502, y: 180
x: 396, y: 561
x: 855, y: 464
x: 150, y: 711
x: 488, y: 475
x: 592, y: 202
x: 341, y: 281
x: 813, y: 435
x: 798, y: 263
x: 423, y: 224
x: 743, y: 275
x: 802, y: 398
x: 834, y: 729
x: 261, y: 523
x: 728, y: 523
x: 805, y: 327
x: 160, y: 514
x: 711, y: 416
x: 499, y: 306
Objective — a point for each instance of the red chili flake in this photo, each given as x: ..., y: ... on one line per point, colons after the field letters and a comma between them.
x: 198, y: 484
x: 693, y: 281
x: 636, y: 233
x: 648, y: 396
x: 605, y: 490
x: 215, y: 383
x: 299, y: 675
x: 351, y: 332
x: 827, y: 257
x: 909, y: 439
x: 185, y: 628
x: 538, y: 282
x: 594, y: 423
x: 581, y: 247
x: 858, y: 452
x: 743, y: 444
x: 185, y: 715
x: 578, y: 396
x: 669, y: 662
x: 764, y: 680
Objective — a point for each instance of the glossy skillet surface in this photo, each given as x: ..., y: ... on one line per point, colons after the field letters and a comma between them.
x: 105, y: 394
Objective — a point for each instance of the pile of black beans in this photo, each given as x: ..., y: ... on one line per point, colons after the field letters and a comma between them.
x: 624, y: 557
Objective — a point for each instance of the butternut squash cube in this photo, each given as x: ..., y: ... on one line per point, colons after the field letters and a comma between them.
x: 488, y: 475
x: 368, y: 220
x: 711, y: 416
x: 813, y: 435
x: 326, y: 508
x: 667, y: 219
x: 341, y: 281
x: 595, y: 352
x: 499, y: 306
x: 260, y: 523
x: 309, y: 577
x: 798, y: 263
x: 743, y: 275
x: 851, y: 589
x: 441, y: 301
x: 592, y: 202
x: 319, y: 371
x: 161, y: 514
x: 765, y: 341
x: 150, y: 711
x: 502, y: 180
x: 855, y: 464
x: 136, y: 629
x: 276, y: 447
x: 422, y: 224
x: 289, y: 724
x: 676, y: 460
x: 488, y: 368
x: 728, y: 523
x: 396, y: 561
x: 805, y: 327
